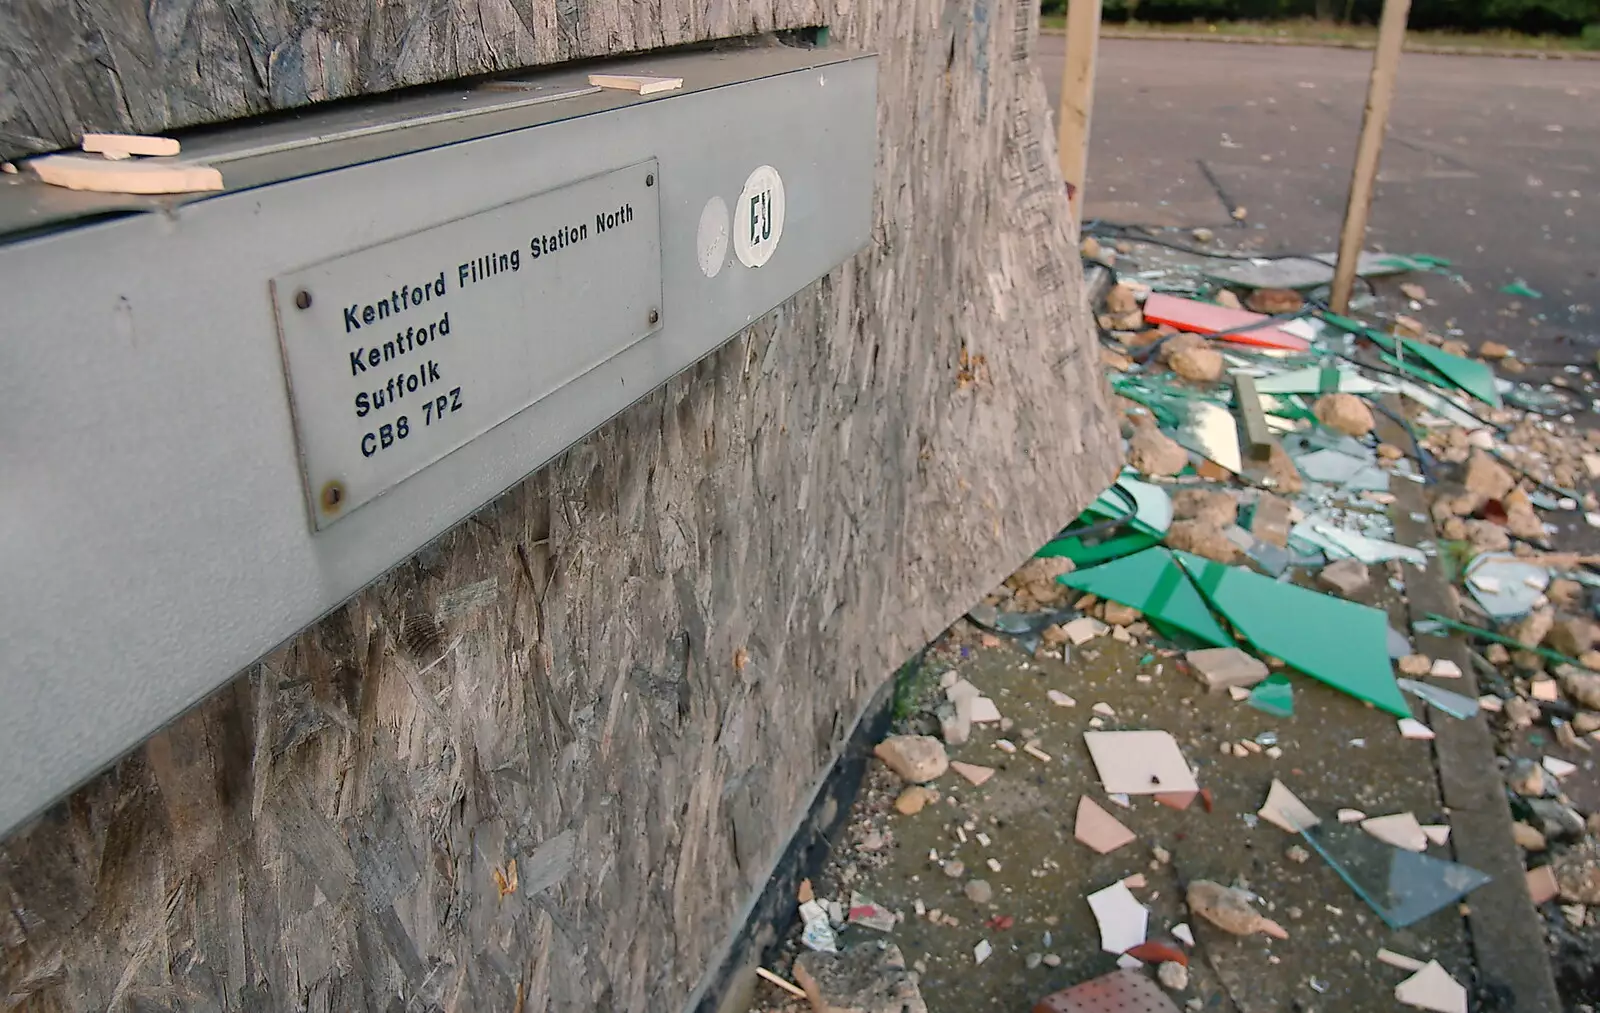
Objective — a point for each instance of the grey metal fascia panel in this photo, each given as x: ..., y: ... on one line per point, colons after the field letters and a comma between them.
x: 153, y: 528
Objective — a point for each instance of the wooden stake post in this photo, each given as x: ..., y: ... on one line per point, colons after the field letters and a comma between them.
x: 1380, y: 93
x: 1077, y: 97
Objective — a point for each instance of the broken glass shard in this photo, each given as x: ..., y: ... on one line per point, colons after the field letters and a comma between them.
x: 1305, y: 272
x: 1399, y: 646
x: 1324, y: 439
x: 1315, y: 380
x: 1271, y: 558
x: 1403, y: 887
x: 1273, y: 695
x: 1505, y: 586
x: 1341, y: 469
x: 1211, y: 431
x: 1341, y: 543
x: 1152, y: 512
x: 1442, y: 406
x: 1454, y: 704
x: 1152, y: 583
x: 1545, y: 400
x: 1335, y: 641
x: 1146, y: 508
x: 1090, y: 552
x: 1472, y: 376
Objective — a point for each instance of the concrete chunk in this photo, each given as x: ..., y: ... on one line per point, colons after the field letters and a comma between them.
x: 1222, y: 667
x: 916, y: 758
x: 1346, y: 576
x: 1487, y: 477
x: 1344, y: 413
x: 1271, y: 521
x: 1208, y: 505
x: 862, y: 979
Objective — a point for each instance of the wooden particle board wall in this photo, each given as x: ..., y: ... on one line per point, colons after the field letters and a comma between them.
x: 627, y: 674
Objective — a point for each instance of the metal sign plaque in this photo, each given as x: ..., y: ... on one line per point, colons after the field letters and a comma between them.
x: 399, y: 353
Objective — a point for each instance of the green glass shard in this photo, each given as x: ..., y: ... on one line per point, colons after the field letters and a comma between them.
x: 1417, y: 368
x: 1273, y: 695
x: 1180, y: 639
x: 1515, y: 645
x: 1415, y: 261
x: 1418, y: 260
x: 1146, y: 508
x: 1472, y: 376
x: 1435, y: 401
x: 1335, y: 641
x: 1116, y: 501
x: 1520, y: 287
x: 1167, y: 400
x: 1318, y: 380
x: 1152, y: 583
x: 1346, y: 323
x: 1083, y: 554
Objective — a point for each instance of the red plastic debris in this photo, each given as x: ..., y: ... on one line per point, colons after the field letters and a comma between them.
x: 1175, y: 799
x: 1204, y: 318
x: 1152, y: 952
x: 1001, y: 922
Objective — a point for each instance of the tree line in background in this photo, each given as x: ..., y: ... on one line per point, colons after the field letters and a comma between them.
x: 1535, y: 17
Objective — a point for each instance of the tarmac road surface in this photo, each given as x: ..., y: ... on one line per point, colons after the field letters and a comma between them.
x: 1491, y: 162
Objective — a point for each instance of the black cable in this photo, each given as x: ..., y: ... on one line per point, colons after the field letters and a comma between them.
x: 1423, y: 457
x: 1141, y: 235
x: 1109, y: 524
x: 1411, y: 379
x: 1105, y: 334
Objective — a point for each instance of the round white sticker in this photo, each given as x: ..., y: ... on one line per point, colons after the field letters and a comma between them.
x: 758, y: 217
x: 712, y: 239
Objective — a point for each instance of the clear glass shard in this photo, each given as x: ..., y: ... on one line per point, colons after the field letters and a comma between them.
x: 1211, y: 431
x: 1454, y: 704
x: 1403, y: 887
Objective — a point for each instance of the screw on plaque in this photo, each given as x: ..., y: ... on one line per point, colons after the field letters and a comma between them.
x: 655, y: 317
x: 649, y: 179
x: 302, y: 300
x: 332, y: 496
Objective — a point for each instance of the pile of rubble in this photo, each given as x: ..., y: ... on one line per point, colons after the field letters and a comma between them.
x: 1287, y: 468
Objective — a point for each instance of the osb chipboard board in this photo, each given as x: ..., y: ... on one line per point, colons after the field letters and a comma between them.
x: 628, y: 673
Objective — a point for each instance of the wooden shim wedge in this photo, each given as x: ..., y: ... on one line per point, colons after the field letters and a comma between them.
x: 1257, y: 437
x: 633, y: 82
x: 76, y: 172
x: 123, y: 145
